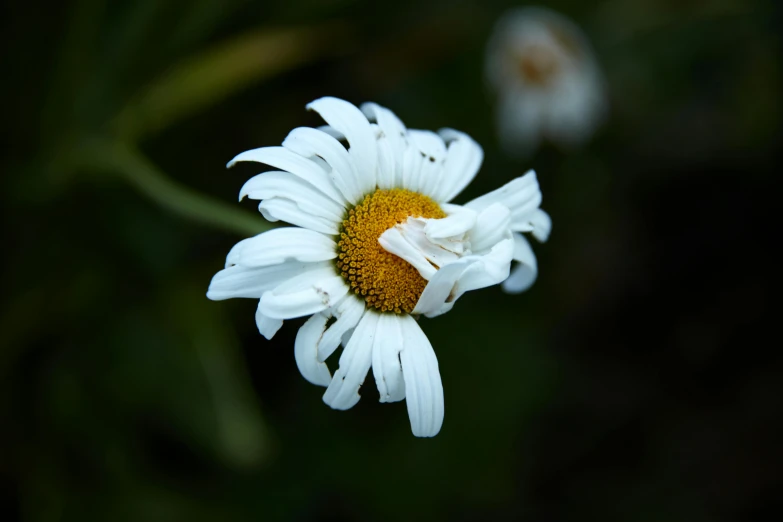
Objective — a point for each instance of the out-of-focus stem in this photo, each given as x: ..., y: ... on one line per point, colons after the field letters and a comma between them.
x: 136, y: 169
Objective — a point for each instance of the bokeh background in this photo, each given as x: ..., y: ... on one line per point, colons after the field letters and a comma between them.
x: 638, y: 380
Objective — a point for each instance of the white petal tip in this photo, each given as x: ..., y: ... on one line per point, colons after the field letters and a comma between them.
x: 514, y: 290
x: 242, y: 156
x: 312, y: 106
x: 268, y: 331
x: 346, y: 404
x: 426, y: 434
x: 214, y: 295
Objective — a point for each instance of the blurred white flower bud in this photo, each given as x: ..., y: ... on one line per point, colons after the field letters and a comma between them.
x: 547, y: 81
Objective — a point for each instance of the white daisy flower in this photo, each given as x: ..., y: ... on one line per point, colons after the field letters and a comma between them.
x: 548, y: 81
x: 375, y: 244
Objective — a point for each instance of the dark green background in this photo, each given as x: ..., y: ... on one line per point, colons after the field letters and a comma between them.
x: 636, y: 381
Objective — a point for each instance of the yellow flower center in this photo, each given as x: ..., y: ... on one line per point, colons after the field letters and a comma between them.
x: 384, y: 280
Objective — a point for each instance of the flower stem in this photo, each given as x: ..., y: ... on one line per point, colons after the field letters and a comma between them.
x: 129, y: 163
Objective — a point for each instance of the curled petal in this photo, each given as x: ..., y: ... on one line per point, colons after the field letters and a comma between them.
x: 522, y: 196
x: 491, y: 269
x: 523, y: 275
x: 306, y: 351
x: 468, y: 273
x: 437, y: 297
x: 542, y: 225
x: 492, y: 226
x: 458, y: 221
x: 267, y: 326
x: 395, y: 241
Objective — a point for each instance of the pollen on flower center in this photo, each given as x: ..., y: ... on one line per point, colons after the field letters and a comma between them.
x: 384, y: 280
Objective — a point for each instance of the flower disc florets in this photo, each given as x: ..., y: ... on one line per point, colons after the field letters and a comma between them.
x: 385, y: 281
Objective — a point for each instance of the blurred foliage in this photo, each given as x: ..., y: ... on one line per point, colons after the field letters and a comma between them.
x: 629, y: 384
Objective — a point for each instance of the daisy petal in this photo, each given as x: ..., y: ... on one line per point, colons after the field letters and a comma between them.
x: 347, y: 336
x: 387, y: 168
x: 286, y: 185
x: 428, y: 143
x: 463, y: 160
x: 280, y: 209
x: 491, y: 227
x: 331, y: 131
x: 301, y: 167
x: 304, y: 294
x: 458, y: 221
x: 515, y: 192
x: 437, y: 297
x: 349, y: 120
x: 343, y: 391
x: 524, y: 274
x: 423, y: 387
x: 306, y: 349
x: 433, y: 152
x: 420, y: 251
x: 242, y: 281
x: 469, y: 273
x: 312, y: 142
x: 542, y: 225
x: 491, y: 269
x: 394, y: 132
x: 281, y: 244
x: 430, y: 176
x: 348, y: 313
x: 395, y: 241
x: 386, y: 365
x: 412, y: 163
x: 522, y: 196
x: 267, y: 326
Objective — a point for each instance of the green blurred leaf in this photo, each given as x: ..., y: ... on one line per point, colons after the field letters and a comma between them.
x: 198, y: 21
x: 241, y: 436
x: 216, y: 74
